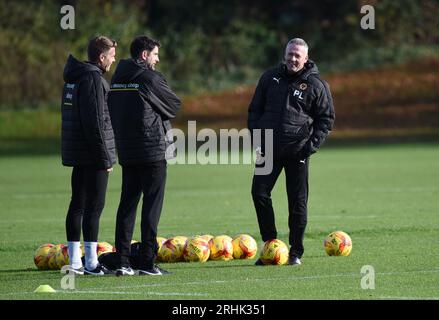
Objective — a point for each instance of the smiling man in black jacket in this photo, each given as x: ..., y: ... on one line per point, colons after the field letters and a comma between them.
x: 141, y: 104
x: 294, y: 102
x: 87, y: 146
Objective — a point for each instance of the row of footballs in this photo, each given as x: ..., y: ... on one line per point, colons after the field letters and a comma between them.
x: 175, y: 249
x: 201, y: 249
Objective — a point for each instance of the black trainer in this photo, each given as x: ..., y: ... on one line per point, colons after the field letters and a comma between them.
x: 78, y: 271
x: 294, y: 261
x: 98, y: 271
x: 124, y: 271
x: 155, y: 270
x: 163, y: 271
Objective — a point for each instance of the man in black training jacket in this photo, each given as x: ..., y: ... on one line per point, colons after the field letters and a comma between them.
x: 141, y: 105
x: 294, y: 102
x: 88, y: 147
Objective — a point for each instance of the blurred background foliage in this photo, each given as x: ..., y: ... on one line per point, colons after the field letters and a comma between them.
x: 206, y: 45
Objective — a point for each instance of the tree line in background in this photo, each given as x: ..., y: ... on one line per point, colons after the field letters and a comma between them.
x: 206, y: 45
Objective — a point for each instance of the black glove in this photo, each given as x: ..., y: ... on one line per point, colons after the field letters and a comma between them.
x: 306, y: 151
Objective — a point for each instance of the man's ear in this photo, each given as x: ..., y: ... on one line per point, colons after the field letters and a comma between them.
x: 101, y: 58
x: 306, y: 58
x: 144, y: 55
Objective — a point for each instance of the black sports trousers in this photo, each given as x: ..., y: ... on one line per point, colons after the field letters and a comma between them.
x: 149, y: 179
x: 89, y: 186
x: 296, y: 173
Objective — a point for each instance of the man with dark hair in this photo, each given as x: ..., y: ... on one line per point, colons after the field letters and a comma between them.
x: 87, y: 146
x: 141, y: 44
x: 141, y: 105
x: 294, y: 102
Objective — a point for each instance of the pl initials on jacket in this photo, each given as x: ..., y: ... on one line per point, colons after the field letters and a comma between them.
x: 298, y: 108
x: 87, y: 137
x: 141, y: 105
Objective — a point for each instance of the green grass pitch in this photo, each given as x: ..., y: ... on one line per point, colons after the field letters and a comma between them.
x: 385, y: 197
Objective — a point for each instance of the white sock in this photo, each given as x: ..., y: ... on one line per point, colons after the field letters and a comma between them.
x: 74, y: 249
x: 91, y: 256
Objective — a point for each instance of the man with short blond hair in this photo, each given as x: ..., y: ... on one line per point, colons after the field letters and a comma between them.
x: 87, y: 146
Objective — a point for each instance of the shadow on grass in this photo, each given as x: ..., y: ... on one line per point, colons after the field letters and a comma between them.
x: 20, y: 270
x: 29, y: 146
x: 52, y: 146
x: 29, y: 273
x: 196, y: 265
x: 384, y: 141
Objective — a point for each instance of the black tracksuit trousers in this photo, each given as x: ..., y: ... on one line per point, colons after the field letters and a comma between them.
x: 296, y: 173
x: 89, y: 186
x: 149, y: 179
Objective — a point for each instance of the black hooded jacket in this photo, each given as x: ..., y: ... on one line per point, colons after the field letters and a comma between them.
x: 87, y: 136
x: 298, y: 108
x: 141, y: 105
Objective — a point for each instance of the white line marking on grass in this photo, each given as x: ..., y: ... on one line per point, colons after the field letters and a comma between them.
x: 139, y: 293
x: 173, y: 284
x: 354, y: 275
x: 113, y: 292
x: 16, y: 293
